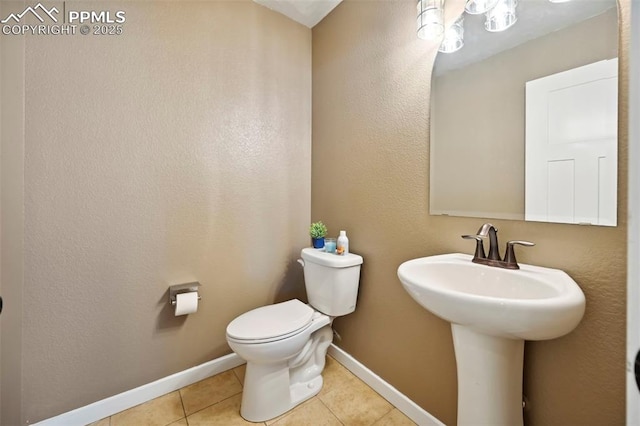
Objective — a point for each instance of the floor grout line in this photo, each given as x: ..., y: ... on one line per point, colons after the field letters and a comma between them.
x: 330, y: 410
x: 211, y: 405
x: 184, y: 411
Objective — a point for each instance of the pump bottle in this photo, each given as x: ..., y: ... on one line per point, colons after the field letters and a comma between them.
x: 342, y: 244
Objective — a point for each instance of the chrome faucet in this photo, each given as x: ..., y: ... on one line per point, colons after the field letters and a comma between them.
x: 494, y: 259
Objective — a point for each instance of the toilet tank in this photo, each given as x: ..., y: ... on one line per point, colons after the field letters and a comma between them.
x: 331, y: 281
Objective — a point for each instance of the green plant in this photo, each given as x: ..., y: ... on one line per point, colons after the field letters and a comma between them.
x: 317, y: 230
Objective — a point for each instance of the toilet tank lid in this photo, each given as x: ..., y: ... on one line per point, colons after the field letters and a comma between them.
x: 320, y: 257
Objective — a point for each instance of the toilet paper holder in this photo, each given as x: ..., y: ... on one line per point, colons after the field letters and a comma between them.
x: 174, y: 290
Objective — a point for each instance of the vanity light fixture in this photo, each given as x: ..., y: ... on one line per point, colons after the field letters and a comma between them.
x: 499, y: 16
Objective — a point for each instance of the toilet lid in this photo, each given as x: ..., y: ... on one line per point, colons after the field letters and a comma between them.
x: 271, y: 321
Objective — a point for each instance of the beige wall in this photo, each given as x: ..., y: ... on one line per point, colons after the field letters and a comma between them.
x: 180, y: 151
x: 490, y: 96
x: 175, y: 152
x: 371, y: 177
x: 11, y: 219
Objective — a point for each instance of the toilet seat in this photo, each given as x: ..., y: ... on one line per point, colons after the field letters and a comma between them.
x: 271, y: 323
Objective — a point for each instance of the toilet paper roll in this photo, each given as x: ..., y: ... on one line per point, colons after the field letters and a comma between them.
x: 186, y: 303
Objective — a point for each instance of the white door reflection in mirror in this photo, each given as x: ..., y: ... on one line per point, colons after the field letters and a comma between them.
x: 571, y: 145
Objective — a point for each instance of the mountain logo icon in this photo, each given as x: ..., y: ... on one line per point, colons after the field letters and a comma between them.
x: 34, y: 11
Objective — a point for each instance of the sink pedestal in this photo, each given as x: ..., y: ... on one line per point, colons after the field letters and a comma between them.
x: 489, y: 378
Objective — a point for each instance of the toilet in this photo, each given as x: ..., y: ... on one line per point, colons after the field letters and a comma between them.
x: 285, y: 344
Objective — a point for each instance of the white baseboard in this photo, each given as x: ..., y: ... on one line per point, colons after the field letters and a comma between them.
x: 388, y: 392
x: 114, y: 404
x: 117, y: 403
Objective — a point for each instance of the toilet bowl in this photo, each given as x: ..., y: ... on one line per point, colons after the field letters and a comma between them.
x: 285, y: 344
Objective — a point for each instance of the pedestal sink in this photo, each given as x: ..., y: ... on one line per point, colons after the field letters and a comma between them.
x: 492, y: 312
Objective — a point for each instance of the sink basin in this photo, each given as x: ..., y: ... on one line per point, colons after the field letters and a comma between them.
x: 532, y: 303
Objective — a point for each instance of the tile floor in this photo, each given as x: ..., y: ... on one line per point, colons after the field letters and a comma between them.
x: 343, y: 400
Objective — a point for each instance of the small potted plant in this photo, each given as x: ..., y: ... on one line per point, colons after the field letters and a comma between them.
x: 318, y: 231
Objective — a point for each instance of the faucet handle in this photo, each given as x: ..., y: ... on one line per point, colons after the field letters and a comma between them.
x: 479, y: 254
x: 510, y: 255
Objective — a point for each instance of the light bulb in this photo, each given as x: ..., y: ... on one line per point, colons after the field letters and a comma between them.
x: 453, y: 37
x: 430, y: 19
x: 502, y: 16
x: 476, y: 7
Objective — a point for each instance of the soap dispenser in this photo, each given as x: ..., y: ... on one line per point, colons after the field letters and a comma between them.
x: 342, y: 246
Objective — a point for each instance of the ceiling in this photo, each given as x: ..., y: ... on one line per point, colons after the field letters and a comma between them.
x: 306, y: 12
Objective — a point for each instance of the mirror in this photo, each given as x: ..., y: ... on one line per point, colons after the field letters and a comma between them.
x: 480, y: 164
